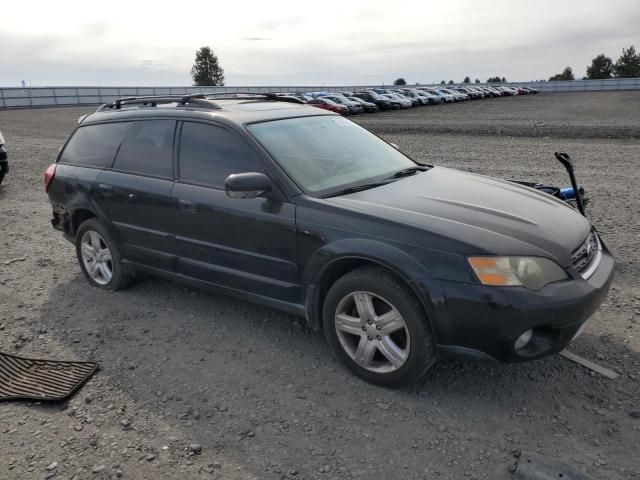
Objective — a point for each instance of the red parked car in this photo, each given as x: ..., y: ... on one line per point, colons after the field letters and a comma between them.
x: 327, y: 104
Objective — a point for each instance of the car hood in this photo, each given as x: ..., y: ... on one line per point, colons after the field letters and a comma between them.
x: 487, y: 215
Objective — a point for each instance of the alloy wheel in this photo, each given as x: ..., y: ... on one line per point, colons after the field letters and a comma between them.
x: 96, y: 257
x: 372, y: 332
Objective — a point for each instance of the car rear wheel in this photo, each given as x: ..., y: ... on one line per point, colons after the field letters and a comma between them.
x: 99, y: 256
x: 378, y: 328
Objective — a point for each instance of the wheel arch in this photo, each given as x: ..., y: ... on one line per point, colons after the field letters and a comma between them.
x: 84, y: 207
x: 336, y: 260
x: 80, y: 215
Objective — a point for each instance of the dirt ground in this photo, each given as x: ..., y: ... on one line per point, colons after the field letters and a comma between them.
x: 194, y: 385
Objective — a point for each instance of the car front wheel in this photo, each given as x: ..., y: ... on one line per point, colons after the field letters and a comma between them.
x: 378, y: 328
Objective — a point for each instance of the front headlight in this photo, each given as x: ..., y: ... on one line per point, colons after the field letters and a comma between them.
x: 531, y: 272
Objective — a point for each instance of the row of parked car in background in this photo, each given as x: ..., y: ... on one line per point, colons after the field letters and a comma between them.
x: 380, y: 99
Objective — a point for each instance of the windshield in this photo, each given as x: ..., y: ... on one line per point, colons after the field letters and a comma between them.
x: 327, y: 154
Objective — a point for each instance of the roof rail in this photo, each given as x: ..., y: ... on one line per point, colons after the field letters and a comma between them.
x: 198, y: 99
x: 254, y: 96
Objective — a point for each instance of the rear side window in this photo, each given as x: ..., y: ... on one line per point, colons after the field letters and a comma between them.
x: 94, y: 145
x: 209, y: 154
x: 147, y: 148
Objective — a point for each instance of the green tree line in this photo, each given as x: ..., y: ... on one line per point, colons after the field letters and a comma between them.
x: 627, y: 66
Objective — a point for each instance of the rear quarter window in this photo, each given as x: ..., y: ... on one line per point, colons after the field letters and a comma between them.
x: 94, y: 145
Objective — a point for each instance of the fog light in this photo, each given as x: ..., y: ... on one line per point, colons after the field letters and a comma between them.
x: 523, y: 339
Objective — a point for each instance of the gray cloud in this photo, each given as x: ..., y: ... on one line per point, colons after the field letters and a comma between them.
x: 372, y: 49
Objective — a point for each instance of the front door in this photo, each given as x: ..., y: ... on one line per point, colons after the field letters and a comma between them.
x: 248, y: 245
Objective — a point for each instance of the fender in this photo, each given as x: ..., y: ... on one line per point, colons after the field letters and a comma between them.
x: 384, y: 254
x: 90, y: 205
x: 71, y: 187
x: 85, y: 201
x: 77, y: 195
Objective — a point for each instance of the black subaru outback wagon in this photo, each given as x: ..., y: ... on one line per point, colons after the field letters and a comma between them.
x: 303, y: 210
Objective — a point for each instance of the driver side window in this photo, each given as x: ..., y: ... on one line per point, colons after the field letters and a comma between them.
x: 209, y: 154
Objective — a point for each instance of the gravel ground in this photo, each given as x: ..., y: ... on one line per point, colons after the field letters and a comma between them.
x: 195, y: 385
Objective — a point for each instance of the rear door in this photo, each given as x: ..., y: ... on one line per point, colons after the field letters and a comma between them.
x: 135, y: 192
x: 245, y: 244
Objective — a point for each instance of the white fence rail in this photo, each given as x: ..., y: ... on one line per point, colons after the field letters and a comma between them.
x: 68, y: 96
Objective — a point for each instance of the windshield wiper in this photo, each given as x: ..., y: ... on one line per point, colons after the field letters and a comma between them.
x: 365, y: 186
x: 405, y: 172
x: 359, y: 188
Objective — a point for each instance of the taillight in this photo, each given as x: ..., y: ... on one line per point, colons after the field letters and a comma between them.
x: 49, y: 173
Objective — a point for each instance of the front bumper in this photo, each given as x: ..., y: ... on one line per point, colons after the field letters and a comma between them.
x: 481, y: 322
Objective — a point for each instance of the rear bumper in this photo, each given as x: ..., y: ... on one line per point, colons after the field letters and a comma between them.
x: 475, y: 321
x: 61, y: 220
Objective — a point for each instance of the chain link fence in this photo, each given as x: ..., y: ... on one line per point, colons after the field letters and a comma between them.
x: 69, y: 96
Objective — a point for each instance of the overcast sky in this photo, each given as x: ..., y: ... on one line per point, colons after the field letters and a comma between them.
x: 283, y: 42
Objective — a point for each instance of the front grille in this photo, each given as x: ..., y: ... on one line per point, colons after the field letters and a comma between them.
x: 585, y: 254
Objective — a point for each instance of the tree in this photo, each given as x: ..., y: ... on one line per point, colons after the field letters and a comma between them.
x: 450, y: 82
x: 442, y: 82
x: 206, y: 70
x: 477, y: 80
x: 567, y: 74
x: 400, y: 81
x: 466, y: 80
x: 495, y: 79
x: 628, y: 65
x: 601, y: 67
x: 503, y: 80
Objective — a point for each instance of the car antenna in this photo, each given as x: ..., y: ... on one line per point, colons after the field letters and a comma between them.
x: 565, y: 160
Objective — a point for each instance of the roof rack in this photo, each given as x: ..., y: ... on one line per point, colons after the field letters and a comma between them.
x: 153, y: 101
x: 197, y: 99
x: 254, y: 96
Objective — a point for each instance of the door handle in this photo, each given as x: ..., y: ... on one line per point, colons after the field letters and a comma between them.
x: 187, y: 205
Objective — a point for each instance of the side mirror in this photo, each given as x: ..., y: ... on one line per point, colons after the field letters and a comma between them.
x: 247, y: 185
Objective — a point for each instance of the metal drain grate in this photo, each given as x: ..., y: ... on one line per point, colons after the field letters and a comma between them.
x: 26, y: 378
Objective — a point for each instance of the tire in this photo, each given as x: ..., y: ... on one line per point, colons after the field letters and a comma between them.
x: 375, y: 345
x: 105, y: 270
